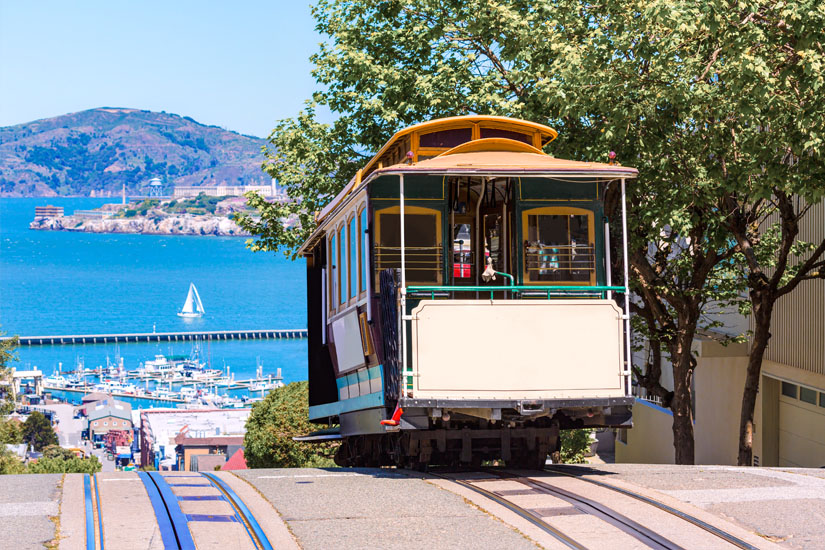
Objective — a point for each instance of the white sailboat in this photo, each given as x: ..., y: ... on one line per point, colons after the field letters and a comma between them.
x: 193, y: 306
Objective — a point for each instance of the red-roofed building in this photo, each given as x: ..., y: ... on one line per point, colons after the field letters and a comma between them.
x: 236, y: 462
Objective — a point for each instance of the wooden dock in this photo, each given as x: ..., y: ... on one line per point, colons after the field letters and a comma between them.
x: 90, y: 389
x: 200, y: 336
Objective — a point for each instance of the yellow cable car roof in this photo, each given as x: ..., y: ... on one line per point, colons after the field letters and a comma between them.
x: 466, y: 160
x: 536, y: 163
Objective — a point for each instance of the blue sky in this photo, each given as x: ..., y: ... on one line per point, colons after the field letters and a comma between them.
x: 238, y: 65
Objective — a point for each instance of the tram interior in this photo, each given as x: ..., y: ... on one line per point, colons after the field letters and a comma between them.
x: 558, y: 245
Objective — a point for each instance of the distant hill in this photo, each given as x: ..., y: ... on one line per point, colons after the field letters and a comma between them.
x: 102, y: 149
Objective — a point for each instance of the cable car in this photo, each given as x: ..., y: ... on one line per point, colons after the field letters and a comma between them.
x: 460, y: 299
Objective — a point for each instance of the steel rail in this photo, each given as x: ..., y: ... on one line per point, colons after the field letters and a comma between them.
x: 90, y: 512
x: 99, y: 509
x: 664, y: 507
x: 238, y: 515
x: 521, y: 512
x: 246, y: 514
x: 172, y: 522
x: 167, y: 530
x: 638, y: 531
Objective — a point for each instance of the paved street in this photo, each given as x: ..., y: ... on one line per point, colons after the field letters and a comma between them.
x: 386, y: 508
x: 26, y: 504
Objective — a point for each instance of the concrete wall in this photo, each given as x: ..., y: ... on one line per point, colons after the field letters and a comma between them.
x: 718, y: 385
x: 650, y: 441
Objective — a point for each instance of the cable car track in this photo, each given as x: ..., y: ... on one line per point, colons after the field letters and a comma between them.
x: 522, y: 512
x: 173, y: 523
x: 662, y: 506
x: 589, y: 506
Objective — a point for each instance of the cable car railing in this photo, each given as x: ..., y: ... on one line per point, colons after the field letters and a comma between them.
x: 519, y: 291
x: 560, y: 262
x: 418, y: 258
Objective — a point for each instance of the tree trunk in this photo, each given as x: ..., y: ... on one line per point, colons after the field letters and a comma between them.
x: 683, y: 364
x: 763, y: 308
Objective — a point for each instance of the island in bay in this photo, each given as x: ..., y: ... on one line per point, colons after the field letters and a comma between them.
x: 166, y: 174
x: 200, y: 215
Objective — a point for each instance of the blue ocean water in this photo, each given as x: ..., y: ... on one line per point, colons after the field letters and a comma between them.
x: 56, y: 282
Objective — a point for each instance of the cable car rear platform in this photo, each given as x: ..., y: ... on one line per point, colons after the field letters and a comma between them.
x: 355, y: 508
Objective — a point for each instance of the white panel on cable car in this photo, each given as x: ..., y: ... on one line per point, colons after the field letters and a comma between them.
x: 346, y: 334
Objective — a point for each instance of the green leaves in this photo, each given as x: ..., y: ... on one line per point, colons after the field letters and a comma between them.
x: 718, y: 105
x: 282, y: 415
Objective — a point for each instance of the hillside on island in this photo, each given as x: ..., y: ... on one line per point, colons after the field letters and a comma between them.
x: 102, y: 149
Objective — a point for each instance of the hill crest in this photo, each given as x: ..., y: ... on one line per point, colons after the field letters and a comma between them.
x: 104, y: 148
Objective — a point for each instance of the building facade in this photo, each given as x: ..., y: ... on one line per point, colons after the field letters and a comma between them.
x: 112, y: 416
x: 160, y: 430
x: 789, y: 418
x: 269, y: 191
x: 48, y: 211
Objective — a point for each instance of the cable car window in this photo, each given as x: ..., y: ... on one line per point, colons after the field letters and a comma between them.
x: 446, y: 138
x: 365, y: 267
x: 423, y: 254
x: 463, y: 252
x: 353, y: 258
x: 509, y: 134
x: 342, y: 272
x: 333, y: 272
x: 559, y: 246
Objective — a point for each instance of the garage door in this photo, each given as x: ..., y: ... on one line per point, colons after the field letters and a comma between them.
x: 801, y: 426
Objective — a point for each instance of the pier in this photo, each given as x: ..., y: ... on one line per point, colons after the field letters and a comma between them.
x: 202, y: 336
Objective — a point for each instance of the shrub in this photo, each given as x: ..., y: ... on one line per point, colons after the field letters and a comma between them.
x: 282, y: 415
x: 10, y: 463
x: 11, y: 432
x: 574, y: 445
x: 63, y: 465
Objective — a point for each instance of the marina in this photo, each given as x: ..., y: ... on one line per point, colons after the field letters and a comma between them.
x: 175, y: 380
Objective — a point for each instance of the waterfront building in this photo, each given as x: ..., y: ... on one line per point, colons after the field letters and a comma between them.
x: 48, y: 211
x: 160, y: 430
x: 204, y: 453
x: 106, y: 416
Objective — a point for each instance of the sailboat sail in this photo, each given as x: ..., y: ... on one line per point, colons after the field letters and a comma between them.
x: 193, y: 306
x: 198, y: 304
x: 187, y: 306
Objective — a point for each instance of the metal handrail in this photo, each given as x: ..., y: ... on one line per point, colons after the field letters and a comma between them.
x: 518, y: 289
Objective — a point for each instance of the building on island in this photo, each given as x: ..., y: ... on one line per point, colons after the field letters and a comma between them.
x: 271, y: 191
x: 789, y: 418
x: 48, y: 211
x: 93, y: 214
x: 155, y: 187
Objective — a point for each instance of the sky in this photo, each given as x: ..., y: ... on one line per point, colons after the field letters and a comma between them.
x: 239, y: 65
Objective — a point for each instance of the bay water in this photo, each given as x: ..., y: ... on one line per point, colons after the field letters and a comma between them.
x: 62, y: 282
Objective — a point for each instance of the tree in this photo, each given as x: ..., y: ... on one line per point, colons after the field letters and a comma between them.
x: 11, y: 432
x: 705, y: 100
x: 38, y: 432
x: 7, y: 397
x: 282, y: 415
